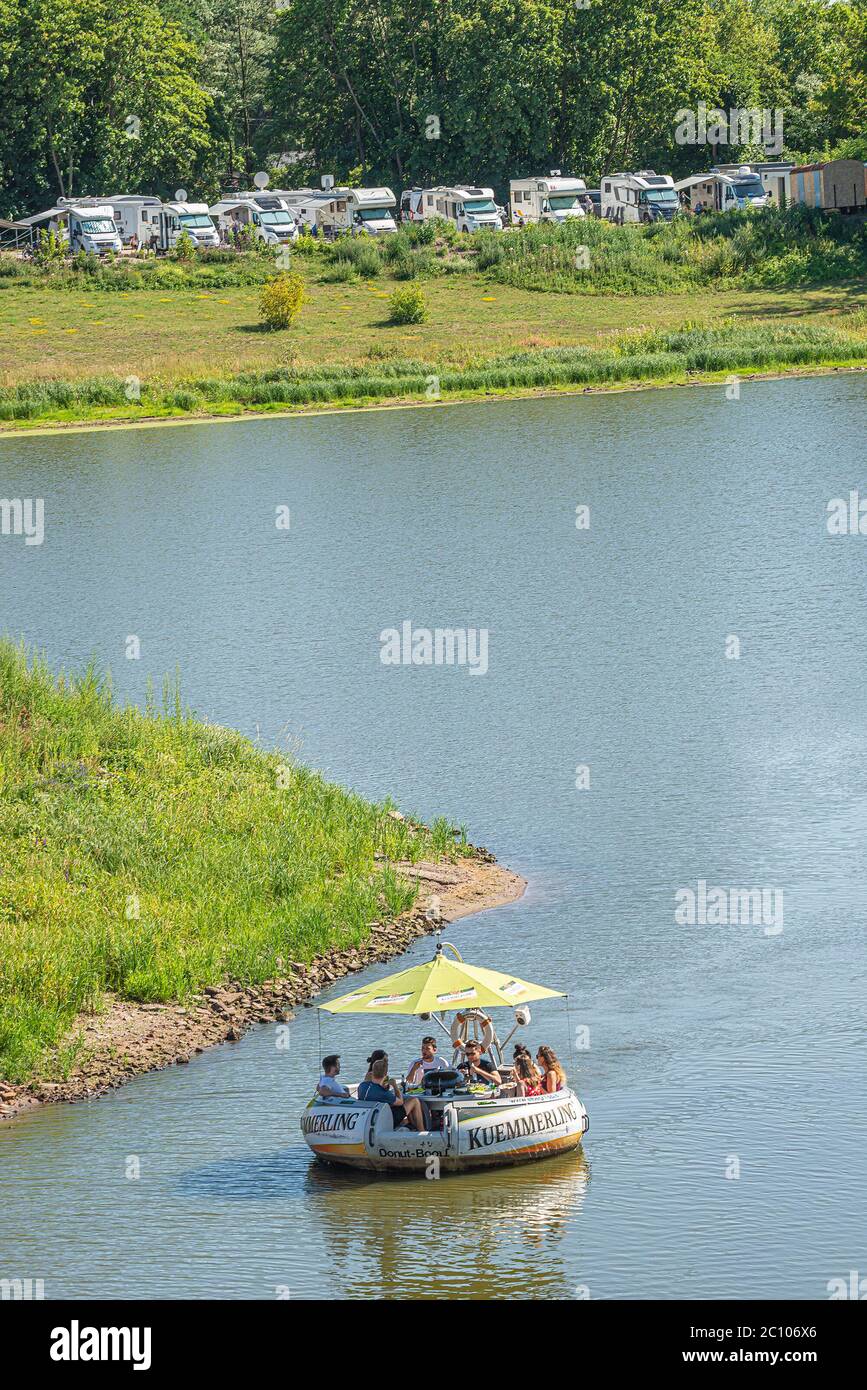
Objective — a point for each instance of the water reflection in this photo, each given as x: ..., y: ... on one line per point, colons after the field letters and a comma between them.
x: 478, y: 1235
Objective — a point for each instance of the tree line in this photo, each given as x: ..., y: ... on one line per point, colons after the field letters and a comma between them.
x: 153, y: 95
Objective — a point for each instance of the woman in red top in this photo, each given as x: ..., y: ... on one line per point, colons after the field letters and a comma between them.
x: 553, y: 1075
x: 527, y: 1079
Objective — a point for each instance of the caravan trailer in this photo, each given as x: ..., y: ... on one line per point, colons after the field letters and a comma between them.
x: 276, y: 225
x: 469, y: 209
x: 640, y: 197
x: 835, y: 185
x: 551, y: 199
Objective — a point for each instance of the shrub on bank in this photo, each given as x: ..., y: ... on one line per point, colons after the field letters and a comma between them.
x: 281, y: 299
x: 407, y: 305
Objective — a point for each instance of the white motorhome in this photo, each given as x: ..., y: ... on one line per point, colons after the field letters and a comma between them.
x: 364, y: 211
x: 90, y: 225
x: 551, y: 199
x: 772, y: 174
x: 641, y: 197
x: 718, y: 192
x: 136, y: 217
x: 411, y: 205
x: 469, y: 209
x: 192, y: 218
x: 275, y: 225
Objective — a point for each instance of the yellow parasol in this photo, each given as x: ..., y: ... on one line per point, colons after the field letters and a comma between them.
x: 440, y: 984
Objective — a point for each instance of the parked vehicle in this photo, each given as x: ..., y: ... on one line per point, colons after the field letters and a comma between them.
x: 276, y: 225
x: 836, y: 185
x: 135, y: 216
x: 641, y: 197
x: 192, y: 218
x: 411, y: 209
x: 469, y: 209
x: 718, y: 192
x: 773, y: 175
x: 746, y: 187
x: 90, y: 227
x: 551, y: 199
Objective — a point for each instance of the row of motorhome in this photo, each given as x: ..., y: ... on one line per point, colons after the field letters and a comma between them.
x: 99, y: 225
x: 276, y: 216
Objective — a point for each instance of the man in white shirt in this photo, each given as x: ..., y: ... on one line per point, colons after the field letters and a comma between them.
x: 428, y: 1061
x: 329, y: 1087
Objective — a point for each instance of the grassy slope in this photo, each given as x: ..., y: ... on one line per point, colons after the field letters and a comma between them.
x: 199, y: 322
x: 234, y: 873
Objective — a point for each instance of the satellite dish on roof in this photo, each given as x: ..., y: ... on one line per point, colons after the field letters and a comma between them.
x: 261, y: 179
x: 180, y: 195
x: 327, y: 180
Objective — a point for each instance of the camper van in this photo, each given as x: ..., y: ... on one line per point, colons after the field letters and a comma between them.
x: 773, y: 175
x: 641, y: 197
x: 92, y: 229
x: 135, y: 216
x: 552, y: 199
x: 718, y: 192
x: 274, y: 225
x: 470, y: 209
x: 362, y: 211
x: 192, y: 218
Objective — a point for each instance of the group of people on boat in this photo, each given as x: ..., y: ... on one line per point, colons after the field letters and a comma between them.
x: 525, y: 1077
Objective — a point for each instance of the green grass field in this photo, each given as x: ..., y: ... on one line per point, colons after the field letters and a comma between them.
x: 149, y: 855
x: 189, y: 333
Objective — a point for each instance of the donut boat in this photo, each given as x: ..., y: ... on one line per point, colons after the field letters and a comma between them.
x: 467, y: 1126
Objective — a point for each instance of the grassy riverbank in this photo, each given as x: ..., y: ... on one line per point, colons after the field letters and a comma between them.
x: 647, y: 357
x: 150, y: 855
x: 507, y: 312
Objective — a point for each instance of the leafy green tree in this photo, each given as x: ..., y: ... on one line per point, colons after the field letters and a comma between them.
x: 103, y: 97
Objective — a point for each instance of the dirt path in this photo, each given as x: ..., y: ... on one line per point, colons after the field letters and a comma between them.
x: 128, y: 1039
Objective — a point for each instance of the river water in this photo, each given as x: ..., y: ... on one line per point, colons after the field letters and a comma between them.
x: 725, y: 1069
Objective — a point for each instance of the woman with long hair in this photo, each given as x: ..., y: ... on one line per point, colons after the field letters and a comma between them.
x: 553, y: 1075
x: 528, y: 1081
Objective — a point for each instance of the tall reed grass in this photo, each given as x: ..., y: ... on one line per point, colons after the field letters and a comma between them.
x: 633, y: 357
x: 149, y: 854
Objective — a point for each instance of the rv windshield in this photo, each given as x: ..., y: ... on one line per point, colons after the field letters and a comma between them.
x: 564, y: 202
x: 374, y: 214
x: 480, y: 205
x: 270, y: 218
x: 195, y: 219
x: 97, y: 226
x: 660, y: 195
x: 749, y: 188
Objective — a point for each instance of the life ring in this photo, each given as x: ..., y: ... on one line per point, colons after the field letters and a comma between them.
x: 458, y: 1029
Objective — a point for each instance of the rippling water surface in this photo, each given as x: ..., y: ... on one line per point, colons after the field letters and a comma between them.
x: 713, y: 1049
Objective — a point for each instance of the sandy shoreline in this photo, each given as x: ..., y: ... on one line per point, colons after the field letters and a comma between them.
x: 129, y: 1039
x: 456, y: 398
